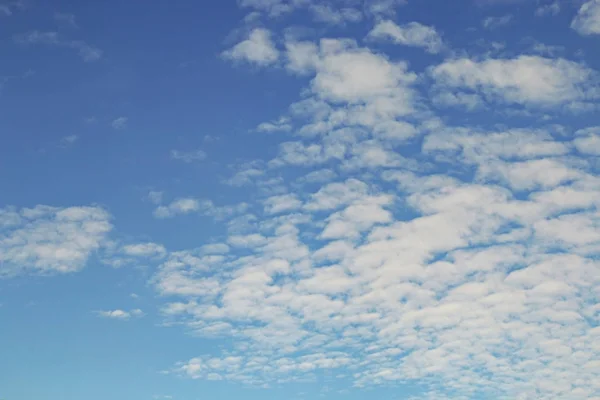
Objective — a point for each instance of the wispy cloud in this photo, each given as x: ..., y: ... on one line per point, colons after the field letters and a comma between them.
x: 119, y: 123
x: 86, y: 52
x: 497, y: 22
x: 188, y: 156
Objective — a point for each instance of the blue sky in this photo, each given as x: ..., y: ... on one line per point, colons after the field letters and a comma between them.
x: 299, y: 199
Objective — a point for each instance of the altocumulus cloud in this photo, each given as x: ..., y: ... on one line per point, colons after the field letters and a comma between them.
x: 382, y: 243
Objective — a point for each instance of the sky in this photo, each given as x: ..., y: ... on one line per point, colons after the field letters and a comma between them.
x: 299, y: 199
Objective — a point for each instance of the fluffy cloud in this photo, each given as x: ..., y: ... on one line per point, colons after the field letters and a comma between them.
x: 50, y: 240
x: 258, y: 49
x: 412, y: 34
x: 587, y: 21
x: 528, y: 80
x: 121, y: 315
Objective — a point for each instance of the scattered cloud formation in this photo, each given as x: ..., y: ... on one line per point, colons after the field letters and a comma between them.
x: 430, y: 222
x: 50, y: 240
x: 529, y: 80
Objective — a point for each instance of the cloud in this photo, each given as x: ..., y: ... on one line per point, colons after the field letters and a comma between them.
x: 258, y: 49
x: 282, y: 203
x: 412, y: 34
x: 497, y: 22
x: 527, y: 80
x: 7, y: 8
x: 121, y: 315
x: 86, y: 52
x: 155, y: 197
x: 280, y: 125
x: 179, y: 206
x: 50, y: 240
x: 189, y: 205
x: 587, y: 21
x: 119, y: 123
x: 68, y: 140
x: 144, y: 250
x: 188, y: 156
x: 548, y: 9
x: 327, y: 14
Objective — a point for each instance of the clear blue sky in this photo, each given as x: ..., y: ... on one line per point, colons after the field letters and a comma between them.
x: 299, y: 199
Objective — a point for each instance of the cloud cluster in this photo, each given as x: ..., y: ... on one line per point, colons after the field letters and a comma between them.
x: 50, y: 240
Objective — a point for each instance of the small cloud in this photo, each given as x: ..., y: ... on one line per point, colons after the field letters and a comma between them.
x: 155, y: 197
x: 179, y: 206
x: 188, y: 156
x: 65, y: 19
x: 119, y: 123
x: 280, y: 125
x: 90, y: 120
x: 496, y: 22
x: 548, y: 9
x: 121, y: 315
x: 257, y: 49
x: 68, y: 140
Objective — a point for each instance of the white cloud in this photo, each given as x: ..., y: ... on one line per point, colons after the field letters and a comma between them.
x: 121, y: 315
x: 529, y: 80
x: 327, y: 14
x: 189, y: 205
x: 188, y: 156
x: 587, y: 21
x: 179, y: 206
x: 119, y: 123
x: 144, y: 250
x: 258, y: 49
x: 588, y: 142
x: 50, y: 240
x: 412, y: 34
x: 282, y: 203
x: 280, y: 125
